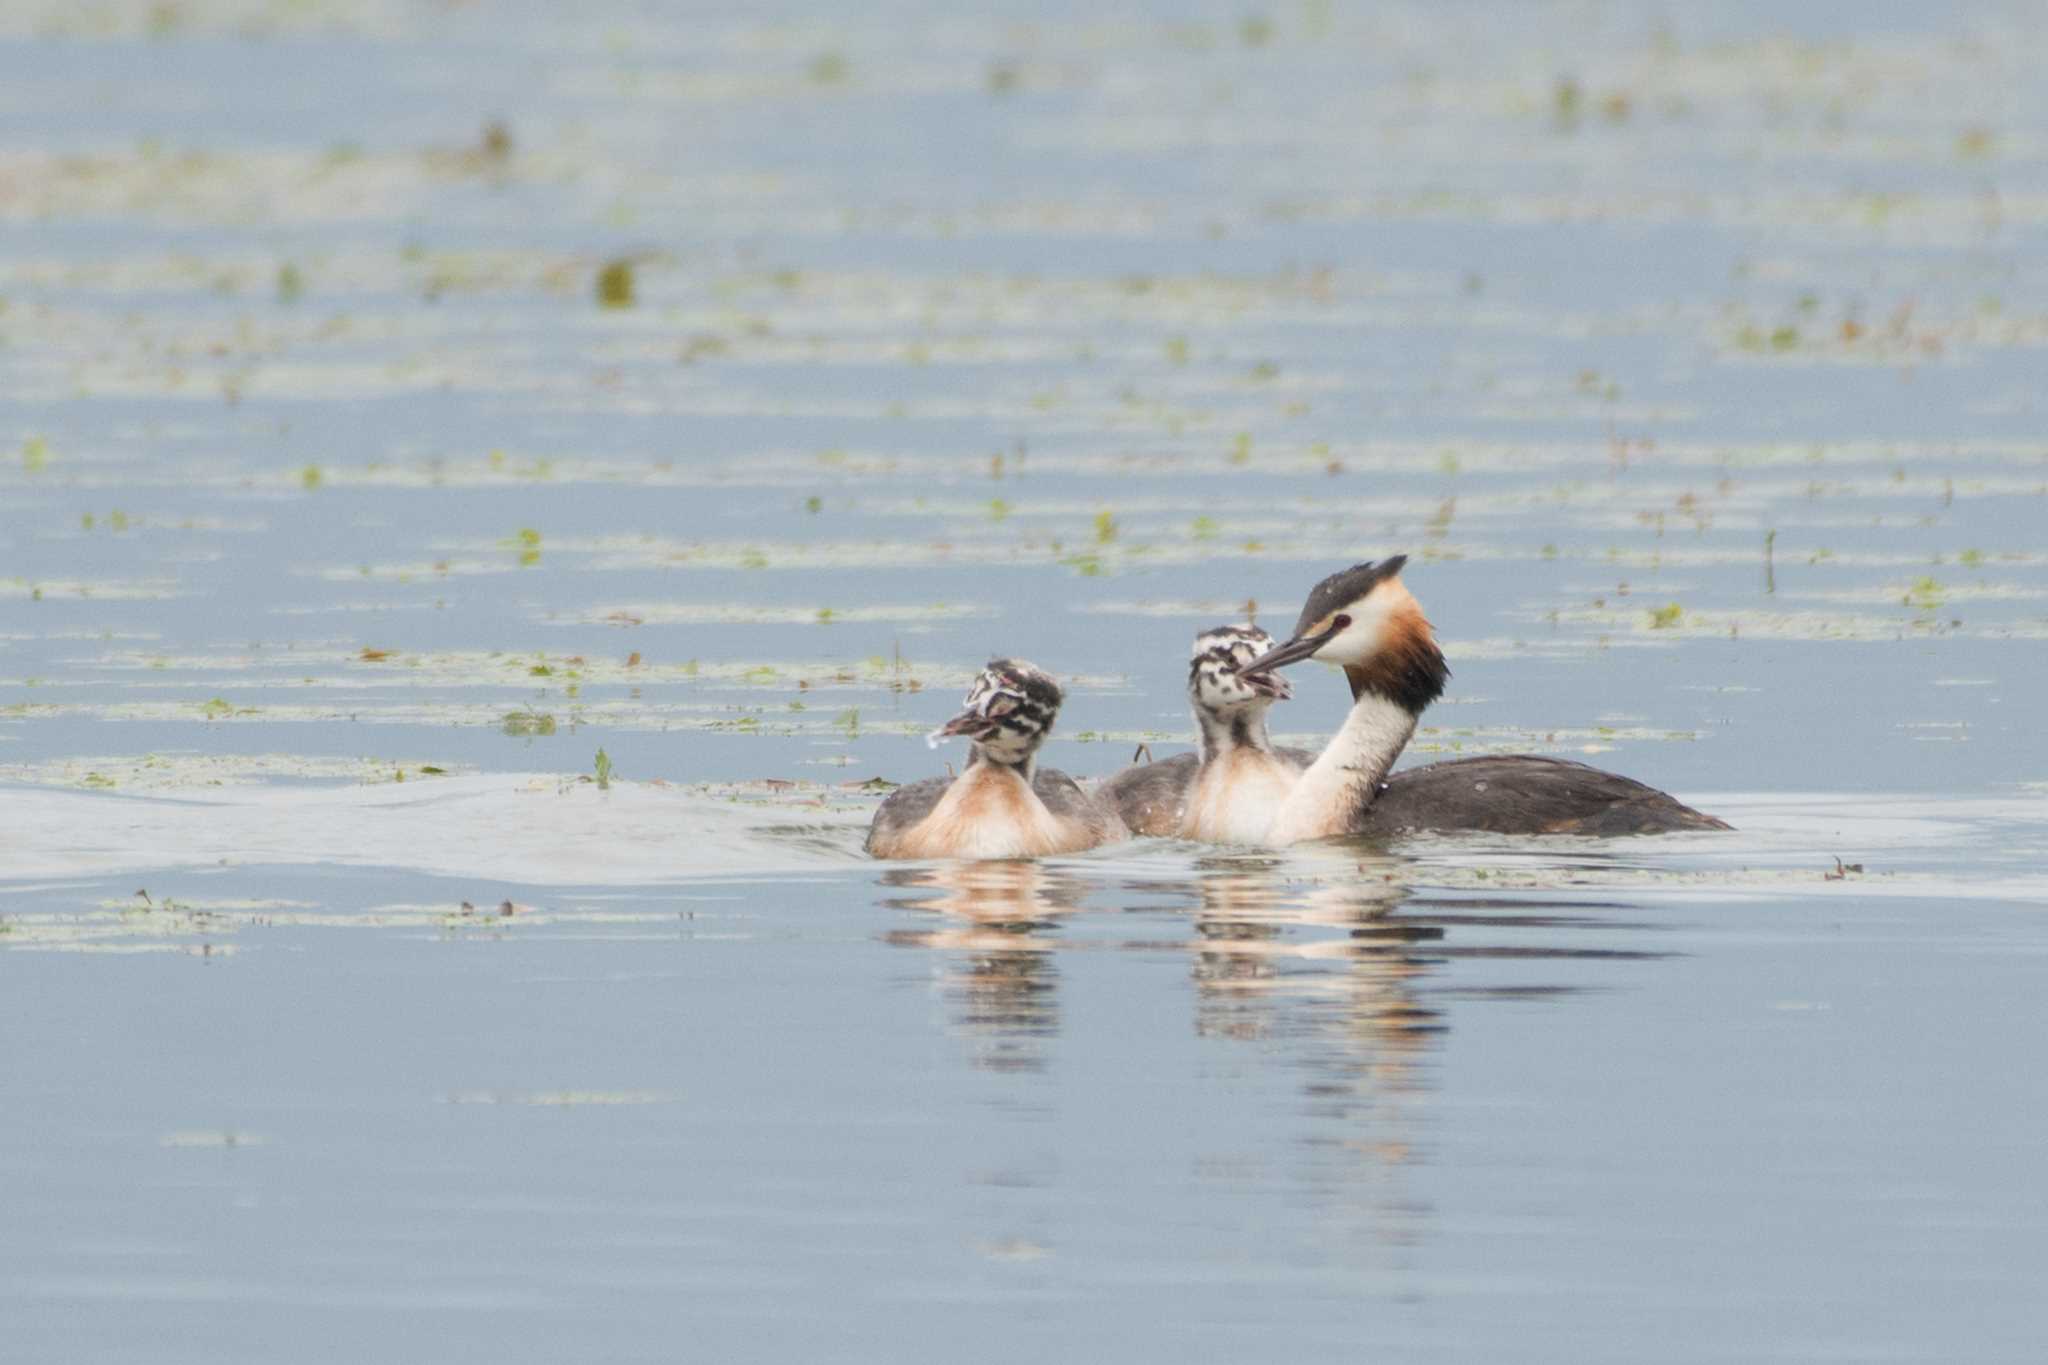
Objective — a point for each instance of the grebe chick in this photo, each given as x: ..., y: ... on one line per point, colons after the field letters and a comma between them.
x: 1227, y: 791
x: 1003, y: 805
x: 1366, y: 620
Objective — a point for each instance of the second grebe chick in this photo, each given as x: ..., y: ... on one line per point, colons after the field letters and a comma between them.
x: 1003, y: 805
x: 1367, y: 621
x: 1227, y: 791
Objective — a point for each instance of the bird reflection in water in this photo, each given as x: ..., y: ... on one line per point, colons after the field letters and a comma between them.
x: 995, y: 924
x: 1321, y: 963
x: 1319, y: 991
x: 1326, y: 969
x: 1327, y: 973
x: 1324, y: 960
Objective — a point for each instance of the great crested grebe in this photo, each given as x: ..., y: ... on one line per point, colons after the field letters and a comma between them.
x: 1365, y: 620
x: 1227, y: 791
x: 1003, y: 805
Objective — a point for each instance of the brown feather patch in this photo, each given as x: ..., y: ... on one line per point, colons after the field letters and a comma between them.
x: 1408, y: 669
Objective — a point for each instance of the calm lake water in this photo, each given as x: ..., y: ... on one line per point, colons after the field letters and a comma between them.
x: 400, y: 405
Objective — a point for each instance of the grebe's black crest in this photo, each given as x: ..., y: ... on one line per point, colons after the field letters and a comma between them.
x: 1364, y: 619
x: 1340, y: 590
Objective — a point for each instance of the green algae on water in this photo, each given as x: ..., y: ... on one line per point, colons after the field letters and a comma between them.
x: 615, y: 286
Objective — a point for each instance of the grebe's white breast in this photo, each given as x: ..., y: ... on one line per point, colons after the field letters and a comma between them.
x: 1236, y: 796
x: 988, y: 812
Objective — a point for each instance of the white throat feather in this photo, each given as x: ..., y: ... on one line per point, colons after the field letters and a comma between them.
x: 1345, y: 778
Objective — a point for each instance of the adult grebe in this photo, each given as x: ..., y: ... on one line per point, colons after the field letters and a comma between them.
x: 1003, y: 805
x: 1367, y: 621
x: 1227, y: 792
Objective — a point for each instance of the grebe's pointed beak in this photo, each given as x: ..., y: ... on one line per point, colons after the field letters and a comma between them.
x: 972, y: 724
x: 1295, y: 650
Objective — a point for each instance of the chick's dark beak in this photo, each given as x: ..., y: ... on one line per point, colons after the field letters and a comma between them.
x: 1267, y: 684
x: 972, y: 724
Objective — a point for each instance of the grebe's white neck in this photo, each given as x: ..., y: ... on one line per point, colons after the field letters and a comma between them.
x: 1365, y: 620
x: 1333, y: 794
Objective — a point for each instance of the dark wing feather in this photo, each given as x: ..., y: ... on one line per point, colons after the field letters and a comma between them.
x: 903, y: 808
x: 1149, y: 798
x: 1066, y: 798
x: 1525, y: 794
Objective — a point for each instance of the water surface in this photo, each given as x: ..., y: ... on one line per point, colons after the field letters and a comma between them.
x: 405, y: 404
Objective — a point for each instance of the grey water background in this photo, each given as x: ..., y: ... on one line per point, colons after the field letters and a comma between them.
x: 1693, y: 353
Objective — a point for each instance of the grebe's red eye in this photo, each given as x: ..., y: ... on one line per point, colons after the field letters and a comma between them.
x: 1341, y: 623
